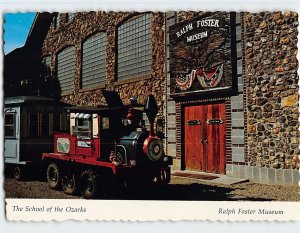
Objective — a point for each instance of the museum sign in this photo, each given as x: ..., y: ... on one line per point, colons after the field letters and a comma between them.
x: 203, y: 54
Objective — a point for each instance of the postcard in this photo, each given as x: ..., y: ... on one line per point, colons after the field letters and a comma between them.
x: 151, y: 115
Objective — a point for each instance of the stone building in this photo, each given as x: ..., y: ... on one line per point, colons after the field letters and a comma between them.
x: 257, y: 108
x: 91, y: 51
x: 226, y: 83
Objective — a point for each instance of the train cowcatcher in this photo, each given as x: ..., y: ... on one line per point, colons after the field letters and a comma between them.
x: 108, y: 147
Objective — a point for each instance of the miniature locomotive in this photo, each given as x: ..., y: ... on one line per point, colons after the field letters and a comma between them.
x: 107, y: 147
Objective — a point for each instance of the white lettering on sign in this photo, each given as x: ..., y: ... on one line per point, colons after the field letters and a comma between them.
x: 197, y: 24
x: 196, y: 36
x: 208, y: 23
x: 184, y: 30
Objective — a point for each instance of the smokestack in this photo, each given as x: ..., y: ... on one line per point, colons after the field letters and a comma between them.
x: 151, y: 110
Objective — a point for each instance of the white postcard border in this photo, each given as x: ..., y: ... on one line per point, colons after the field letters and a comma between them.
x: 137, y: 210
x: 270, y: 228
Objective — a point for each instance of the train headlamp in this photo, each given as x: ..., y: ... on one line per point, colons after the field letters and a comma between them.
x: 154, y: 149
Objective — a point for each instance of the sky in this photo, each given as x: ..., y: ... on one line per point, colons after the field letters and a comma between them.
x: 16, y: 29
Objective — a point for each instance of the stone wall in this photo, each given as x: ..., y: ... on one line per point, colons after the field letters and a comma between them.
x: 272, y: 89
x: 87, y: 23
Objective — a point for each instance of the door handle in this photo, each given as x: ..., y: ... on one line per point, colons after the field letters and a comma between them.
x: 193, y: 122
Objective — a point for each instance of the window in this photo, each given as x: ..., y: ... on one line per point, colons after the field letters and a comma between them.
x: 43, y: 124
x: 10, y: 125
x: 45, y: 127
x: 47, y: 62
x: 70, y: 16
x: 66, y: 69
x: 83, y: 126
x: 134, y: 47
x: 56, y: 122
x: 94, y: 60
x: 105, y: 123
x: 33, y: 125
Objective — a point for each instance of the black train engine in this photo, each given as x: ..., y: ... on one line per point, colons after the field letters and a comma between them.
x: 140, y: 148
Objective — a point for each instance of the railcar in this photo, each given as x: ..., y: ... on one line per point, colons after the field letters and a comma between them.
x: 107, y: 147
x: 29, y: 126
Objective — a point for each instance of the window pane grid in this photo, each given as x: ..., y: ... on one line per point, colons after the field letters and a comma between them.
x: 66, y: 68
x: 94, y: 60
x: 134, y: 44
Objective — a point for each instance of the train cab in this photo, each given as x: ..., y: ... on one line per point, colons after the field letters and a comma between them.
x: 92, y: 132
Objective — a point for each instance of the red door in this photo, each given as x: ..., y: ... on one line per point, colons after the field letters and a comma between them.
x: 204, y: 139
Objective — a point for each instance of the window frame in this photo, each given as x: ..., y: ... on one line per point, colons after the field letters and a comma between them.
x: 101, y: 80
x: 13, y: 125
x: 86, y: 129
x: 68, y: 91
x: 39, y: 124
x: 146, y: 69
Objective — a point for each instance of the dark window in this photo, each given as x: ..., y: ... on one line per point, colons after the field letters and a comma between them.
x: 134, y: 47
x: 66, y: 68
x: 105, y: 123
x: 33, y: 125
x: 45, y: 125
x: 10, y: 125
x: 56, y: 122
x: 94, y: 60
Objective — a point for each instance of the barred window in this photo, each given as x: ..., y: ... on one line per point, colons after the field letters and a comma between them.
x: 134, y: 47
x: 42, y: 124
x: 93, y: 60
x: 70, y: 16
x: 66, y: 68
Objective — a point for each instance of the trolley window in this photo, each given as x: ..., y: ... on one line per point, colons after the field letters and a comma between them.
x: 10, y: 125
x: 42, y: 124
x: 45, y: 131
x: 56, y: 122
x: 33, y: 123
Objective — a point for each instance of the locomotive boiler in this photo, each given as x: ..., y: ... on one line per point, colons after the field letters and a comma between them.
x: 108, y: 147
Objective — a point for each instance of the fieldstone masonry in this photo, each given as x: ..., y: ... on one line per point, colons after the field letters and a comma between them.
x: 264, y: 136
x: 265, y: 112
x: 86, y: 24
x: 272, y: 89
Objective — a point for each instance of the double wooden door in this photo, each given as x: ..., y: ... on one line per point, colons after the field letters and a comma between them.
x: 204, y: 140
